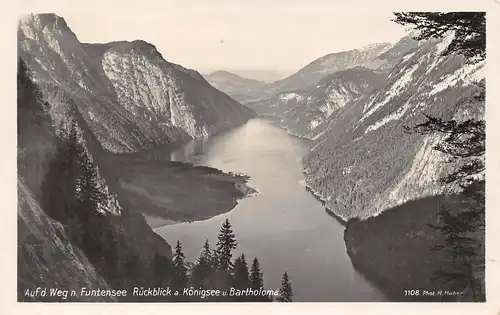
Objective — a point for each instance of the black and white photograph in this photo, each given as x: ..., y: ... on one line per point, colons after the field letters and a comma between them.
x: 251, y: 152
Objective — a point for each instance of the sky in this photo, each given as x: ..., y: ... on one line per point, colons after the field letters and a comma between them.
x: 256, y: 35
x: 244, y: 36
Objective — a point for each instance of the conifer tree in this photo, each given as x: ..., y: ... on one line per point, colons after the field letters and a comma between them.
x: 257, y: 281
x: 206, y: 258
x: 286, y: 289
x: 240, y: 280
x: 256, y: 276
x: 225, y: 245
x: 89, y: 190
x: 202, y: 268
x: 241, y: 276
x: 469, y: 28
x: 179, y: 269
x: 60, y: 184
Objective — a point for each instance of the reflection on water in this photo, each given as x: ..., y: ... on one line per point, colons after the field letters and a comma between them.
x: 285, y: 226
x: 191, y: 151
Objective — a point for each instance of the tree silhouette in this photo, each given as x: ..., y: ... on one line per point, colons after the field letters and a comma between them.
x: 241, y: 276
x: 257, y: 281
x: 286, y: 289
x: 469, y: 28
x: 225, y: 245
x: 179, y: 269
x: 203, y: 268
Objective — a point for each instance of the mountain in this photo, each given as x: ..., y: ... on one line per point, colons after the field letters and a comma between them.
x: 78, y: 105
x: 392, y: 56
x: 129, y: 95
x: 262, y: 75
x: 362, y: 162
x: 312, y: 73
x: 300, y: 112
x: 232, y: 84
x: 59, y: 246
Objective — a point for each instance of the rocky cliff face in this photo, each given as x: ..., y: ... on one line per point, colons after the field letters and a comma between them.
x: 131, y: 98
x: 362, y: 162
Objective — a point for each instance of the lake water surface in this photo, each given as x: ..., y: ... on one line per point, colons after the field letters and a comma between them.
x: 285, y: 226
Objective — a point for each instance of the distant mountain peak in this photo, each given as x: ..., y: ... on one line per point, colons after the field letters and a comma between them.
x: 221, y: 72
x: 375, y: 46
x: 313, y: 72
x: 44, y: 19
x: 224, y: 73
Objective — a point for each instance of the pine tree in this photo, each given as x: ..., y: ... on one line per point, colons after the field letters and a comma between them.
x: 286, y: 289
x: 241, y: 279
x: 257, y: 281
x: 179, y: 269
x: 469, y: 28
x: 206, y: 258
x: 203, y: 268
x: 89, y: 191
x: 225, y: 245
x: 60, y: 184
x: 465, y: 145
x: 241, y: 276
x: 256, y: 276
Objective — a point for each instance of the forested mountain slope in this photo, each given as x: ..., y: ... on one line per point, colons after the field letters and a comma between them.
x: 363, y: 161
x: 234, y: 85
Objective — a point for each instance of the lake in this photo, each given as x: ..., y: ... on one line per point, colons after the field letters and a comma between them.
x: 285, y: 226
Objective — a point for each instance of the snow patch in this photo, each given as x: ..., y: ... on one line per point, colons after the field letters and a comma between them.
x: 289, y: 96
x: 395, y: 89
x: 394, y: 116
x: 408, y: 56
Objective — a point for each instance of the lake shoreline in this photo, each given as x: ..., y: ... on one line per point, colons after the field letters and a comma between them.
x: 283, y: 226
x: 163, y: 190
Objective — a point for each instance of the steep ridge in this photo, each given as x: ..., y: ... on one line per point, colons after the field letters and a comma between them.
x: 47, y: 253
x: 51, y: 253
x: 237, y: 87
x: 391, y: 57
x: 312, y: 73
x: 304, y: 112
x: 46, y: 257
x: 363, y: 162
x: 131, y: 98
x: 301, y: 112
